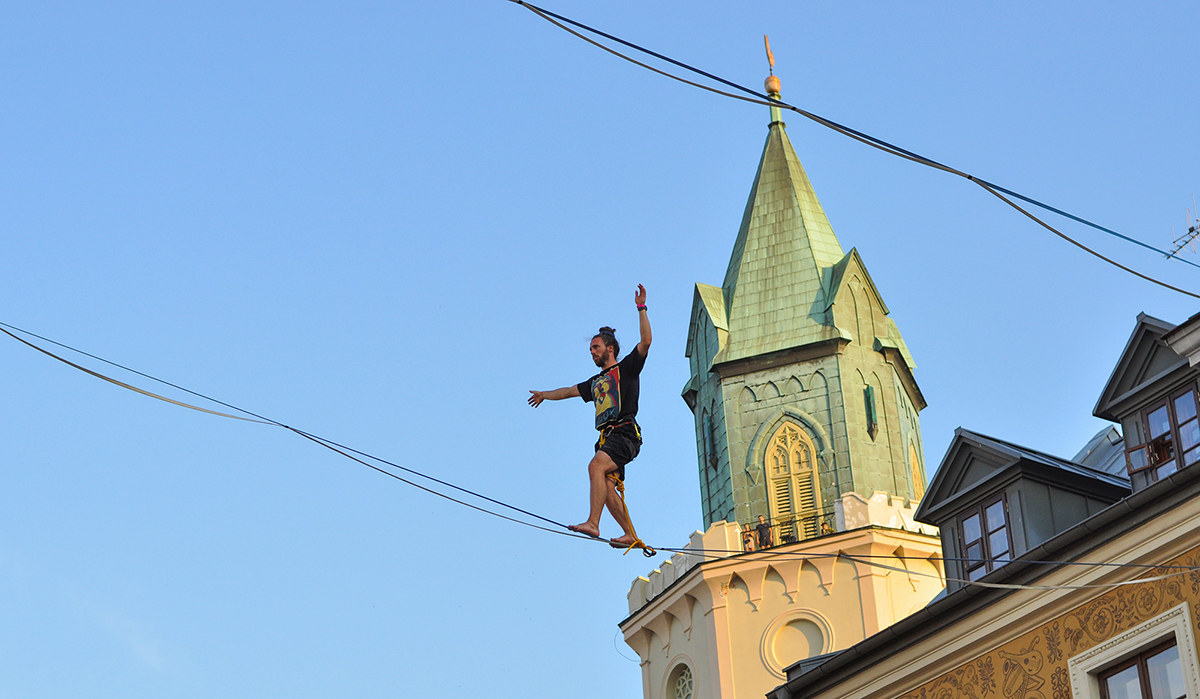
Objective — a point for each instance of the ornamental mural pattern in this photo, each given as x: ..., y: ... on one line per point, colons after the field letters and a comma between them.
x: 1034, y: 666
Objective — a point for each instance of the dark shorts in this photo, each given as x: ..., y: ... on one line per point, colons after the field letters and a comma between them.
x: 622, y: 445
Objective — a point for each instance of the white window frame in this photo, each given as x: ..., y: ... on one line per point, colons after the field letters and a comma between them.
x: 1175, y: 623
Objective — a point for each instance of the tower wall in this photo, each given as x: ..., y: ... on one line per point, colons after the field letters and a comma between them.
x: 759, y: 402
x: 737, y: 623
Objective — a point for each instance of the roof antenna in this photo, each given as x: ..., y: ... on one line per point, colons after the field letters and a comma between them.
x: 1188, y: 239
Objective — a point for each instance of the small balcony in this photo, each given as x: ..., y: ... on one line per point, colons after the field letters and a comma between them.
x: 757, y: 536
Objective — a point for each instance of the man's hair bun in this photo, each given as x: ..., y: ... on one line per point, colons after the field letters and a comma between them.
x: 608, y: 336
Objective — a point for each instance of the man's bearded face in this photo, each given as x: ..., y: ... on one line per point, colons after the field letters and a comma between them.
x: 601, y: 353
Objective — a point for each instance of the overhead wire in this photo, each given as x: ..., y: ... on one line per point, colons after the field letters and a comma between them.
x: 759, y: 98
x: 864, y: 559
x: 990, y: 187
x: 263, y: 420
x: 777, y: 551
x: 349, y: 452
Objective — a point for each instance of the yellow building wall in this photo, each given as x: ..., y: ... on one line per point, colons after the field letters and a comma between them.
x: 1034, y: 665
x: 738, y: 622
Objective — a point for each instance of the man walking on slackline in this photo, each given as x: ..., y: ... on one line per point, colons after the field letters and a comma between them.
x: 615, y: 392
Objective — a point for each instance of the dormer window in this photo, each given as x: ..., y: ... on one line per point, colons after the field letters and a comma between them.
x: 985, y: 538
x: 1172, y: 437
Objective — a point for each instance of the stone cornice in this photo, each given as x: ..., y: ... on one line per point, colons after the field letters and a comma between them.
x: 784, y: 357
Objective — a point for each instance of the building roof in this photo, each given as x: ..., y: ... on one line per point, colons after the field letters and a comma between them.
x: 777, y: 288
x: 1105, y: 452
x: 974, y: 459
x: 1145, y: 359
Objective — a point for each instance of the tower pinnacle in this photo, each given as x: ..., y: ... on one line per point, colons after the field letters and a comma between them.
x: 771, y: 84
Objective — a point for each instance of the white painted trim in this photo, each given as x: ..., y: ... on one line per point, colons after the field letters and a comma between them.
x: 1176, y: 623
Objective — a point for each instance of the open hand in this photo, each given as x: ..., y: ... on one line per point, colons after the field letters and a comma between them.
x: 536, y: 398
x: 639, y: 296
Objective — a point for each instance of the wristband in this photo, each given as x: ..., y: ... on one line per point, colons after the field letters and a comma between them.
x: 642, y: 307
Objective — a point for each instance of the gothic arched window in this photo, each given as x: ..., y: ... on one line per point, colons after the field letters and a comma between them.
x: 792, y: 483
x: 914, y: 464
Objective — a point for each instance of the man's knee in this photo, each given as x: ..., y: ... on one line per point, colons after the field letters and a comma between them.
x: 601, y: 463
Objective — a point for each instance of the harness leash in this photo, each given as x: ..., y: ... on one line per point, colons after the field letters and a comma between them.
x: 637, y: 543
x: 620, y: 485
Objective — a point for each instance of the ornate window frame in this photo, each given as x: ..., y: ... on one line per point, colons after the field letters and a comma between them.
x: 1175, y: 623
x: 680, y: 665
x: 794, y: 496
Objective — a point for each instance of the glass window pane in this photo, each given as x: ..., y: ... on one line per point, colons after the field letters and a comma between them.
x: 1163, y: 450
x: 1166, y: 675
x: 974, y: 553
x: 1191, y: 457
x: 1189, y: 434
x: 995, y: 516
x: 977, y: 573
x: 1134, y: 429
x: 971, y: 530
x: 1124, y: 684
x: 998, y: 542
x: 1137, y: 459
x: 1160, y: 422
x: 1002, y: 558
x: 1165, y: 470
x: 1185, y: 407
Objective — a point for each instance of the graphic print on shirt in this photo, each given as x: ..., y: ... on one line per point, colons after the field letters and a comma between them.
x: 607, y: 394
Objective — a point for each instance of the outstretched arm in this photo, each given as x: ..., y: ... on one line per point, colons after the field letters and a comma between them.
x: 536, y: 397
x: 643, y: 320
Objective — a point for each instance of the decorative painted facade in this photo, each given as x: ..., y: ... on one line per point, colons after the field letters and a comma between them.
x: 1039, y: 663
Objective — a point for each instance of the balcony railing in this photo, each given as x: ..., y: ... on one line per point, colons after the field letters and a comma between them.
x: 781, y: 531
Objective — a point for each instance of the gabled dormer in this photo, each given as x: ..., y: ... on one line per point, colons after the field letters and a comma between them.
x: 1153, y: 393
x: 994, y: 501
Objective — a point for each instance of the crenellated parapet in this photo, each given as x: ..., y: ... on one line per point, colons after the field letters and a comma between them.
x: 721, y: 540
x: 882, y: 510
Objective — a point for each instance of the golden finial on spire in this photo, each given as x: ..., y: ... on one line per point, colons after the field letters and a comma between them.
x: 772, y: 83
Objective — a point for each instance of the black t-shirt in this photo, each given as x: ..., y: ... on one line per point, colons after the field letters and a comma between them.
x: 615, y: 391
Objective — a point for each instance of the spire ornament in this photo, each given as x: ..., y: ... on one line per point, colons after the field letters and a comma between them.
x: 772, y: 82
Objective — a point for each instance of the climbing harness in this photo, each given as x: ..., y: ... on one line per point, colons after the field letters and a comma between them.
x: 609, y: 429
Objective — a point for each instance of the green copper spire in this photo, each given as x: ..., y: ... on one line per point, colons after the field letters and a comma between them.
x: 776, y: 287
x: 801, y: 385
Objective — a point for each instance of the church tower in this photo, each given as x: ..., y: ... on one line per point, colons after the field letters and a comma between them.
x: 805, y: 411
x: 801, y: 385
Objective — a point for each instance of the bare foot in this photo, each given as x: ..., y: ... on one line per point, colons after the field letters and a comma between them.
x: 586, y: 528
x: 622, y: 542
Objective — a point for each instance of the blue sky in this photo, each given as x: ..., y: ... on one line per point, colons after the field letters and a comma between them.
x: 384, y: 223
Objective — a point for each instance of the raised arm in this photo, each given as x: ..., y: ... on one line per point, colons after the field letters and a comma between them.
x: 643, y: 320
x: 536, y: 397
